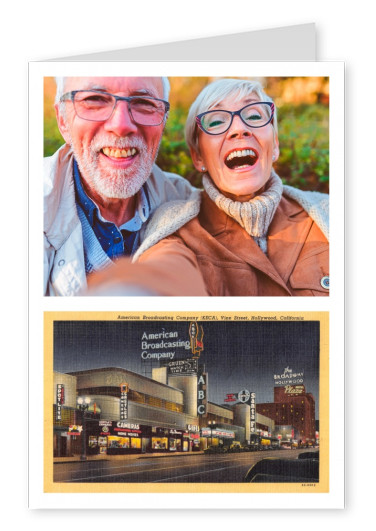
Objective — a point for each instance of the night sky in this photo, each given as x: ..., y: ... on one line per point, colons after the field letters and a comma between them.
x: 237, y: 355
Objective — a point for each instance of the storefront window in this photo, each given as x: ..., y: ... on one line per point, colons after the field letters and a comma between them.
x: 159, y: 443
x: 118, y: 442
x: 175, y: 445
x: 136, y: 443
x: 93, y: 441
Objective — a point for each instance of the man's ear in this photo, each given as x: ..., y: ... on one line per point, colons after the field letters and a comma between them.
x: 197, y: 160
x: 62, y: 125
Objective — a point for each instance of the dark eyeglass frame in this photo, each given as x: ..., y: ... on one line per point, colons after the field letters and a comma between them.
x: 72, y: 94
x: 236, y: 113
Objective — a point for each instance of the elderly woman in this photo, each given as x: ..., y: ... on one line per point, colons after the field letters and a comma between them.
x: 247, y: 234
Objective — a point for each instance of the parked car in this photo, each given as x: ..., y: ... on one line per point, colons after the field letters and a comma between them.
x: 235, y: 447
x: 271, y: 470
x: 215, y: 450
x: 251, y: 448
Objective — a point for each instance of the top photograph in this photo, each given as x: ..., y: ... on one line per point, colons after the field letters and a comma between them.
x: 186, y: 186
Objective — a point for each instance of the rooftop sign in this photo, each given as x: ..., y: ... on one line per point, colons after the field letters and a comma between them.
x: 196, y: 335
x: 182, y: 367
x: 162, y: 345
x: 289, y: 377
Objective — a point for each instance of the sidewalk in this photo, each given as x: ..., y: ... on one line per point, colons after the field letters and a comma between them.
x: 125, y: 457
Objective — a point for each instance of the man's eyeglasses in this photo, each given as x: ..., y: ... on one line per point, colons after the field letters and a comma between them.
x: 253, y: 115
x: 98, y: 106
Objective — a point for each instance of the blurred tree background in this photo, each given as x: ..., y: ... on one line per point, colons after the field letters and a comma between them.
x: 303, y: 128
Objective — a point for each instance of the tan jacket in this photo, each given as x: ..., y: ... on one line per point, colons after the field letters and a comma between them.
x: 213, y: 255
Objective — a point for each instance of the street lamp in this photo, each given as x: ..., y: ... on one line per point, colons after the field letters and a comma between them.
x: 212, y: 424
x: 83, y: 403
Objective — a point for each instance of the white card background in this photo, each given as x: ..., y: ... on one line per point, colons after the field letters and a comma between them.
x: 34, y: 31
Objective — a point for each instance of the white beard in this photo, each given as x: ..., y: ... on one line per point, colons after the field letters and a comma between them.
x: 115, y: 183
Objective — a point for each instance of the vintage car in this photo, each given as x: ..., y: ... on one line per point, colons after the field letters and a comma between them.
x: 215, y: 450
x: 274, y: 470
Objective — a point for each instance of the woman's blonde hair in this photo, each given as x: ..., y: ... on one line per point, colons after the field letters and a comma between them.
x: 216, y: 92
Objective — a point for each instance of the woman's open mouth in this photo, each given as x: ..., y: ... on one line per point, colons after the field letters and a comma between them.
x: 241, y: 158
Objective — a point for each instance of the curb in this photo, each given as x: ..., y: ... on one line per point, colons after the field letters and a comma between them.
x: 129, y: 457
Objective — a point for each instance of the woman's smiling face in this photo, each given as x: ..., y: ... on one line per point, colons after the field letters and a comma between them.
x: 239, y: 161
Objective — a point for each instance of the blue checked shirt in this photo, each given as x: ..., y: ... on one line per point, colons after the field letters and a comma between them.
x: 115, y: 241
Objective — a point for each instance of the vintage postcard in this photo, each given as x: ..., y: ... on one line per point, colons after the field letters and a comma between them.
x: 186, y: 402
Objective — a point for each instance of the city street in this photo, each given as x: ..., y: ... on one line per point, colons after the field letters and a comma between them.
x: 177, y: 468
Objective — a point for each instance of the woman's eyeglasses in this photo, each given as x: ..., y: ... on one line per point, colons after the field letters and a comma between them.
x: 219, y: 121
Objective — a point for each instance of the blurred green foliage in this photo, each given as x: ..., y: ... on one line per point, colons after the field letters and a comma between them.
x: 303, y: 141
x: 173, y: 154
x: 52, y: 137
x: 304, y: 146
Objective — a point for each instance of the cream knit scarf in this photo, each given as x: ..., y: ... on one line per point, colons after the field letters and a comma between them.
x: 255, y: 215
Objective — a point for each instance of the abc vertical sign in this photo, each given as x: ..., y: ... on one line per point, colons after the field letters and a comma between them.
x: 202, y: 394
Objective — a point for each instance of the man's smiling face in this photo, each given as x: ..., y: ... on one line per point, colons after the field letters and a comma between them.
x: 115, y: 156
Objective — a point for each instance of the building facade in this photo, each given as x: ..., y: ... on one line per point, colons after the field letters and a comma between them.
x: 130, y: 413
x: 293, y: 412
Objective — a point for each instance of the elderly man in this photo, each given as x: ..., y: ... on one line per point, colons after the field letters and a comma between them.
x: 102, y: 186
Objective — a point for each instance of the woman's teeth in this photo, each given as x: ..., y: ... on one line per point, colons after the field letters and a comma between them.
x: 241, y: 153
x: 119, y: 153
x: 241, y: 158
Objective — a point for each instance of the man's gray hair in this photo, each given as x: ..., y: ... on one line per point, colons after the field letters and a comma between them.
x: 60, y: 84
x: 213, y: 94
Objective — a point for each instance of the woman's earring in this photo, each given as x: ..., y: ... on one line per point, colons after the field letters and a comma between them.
x: 203, y: 168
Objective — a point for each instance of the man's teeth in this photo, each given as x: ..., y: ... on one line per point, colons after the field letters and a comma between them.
x: 119, y: 153
x: 241, y: 153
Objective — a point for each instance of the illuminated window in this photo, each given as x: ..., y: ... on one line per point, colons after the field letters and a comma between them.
x: 141, y: 398
x: 135, y: 443
x: 173, y: 407
x: 159, y: 443
x: 118, y: 442
x: 68, y: 416
x: 154, y: 401
x: 135, y: 396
